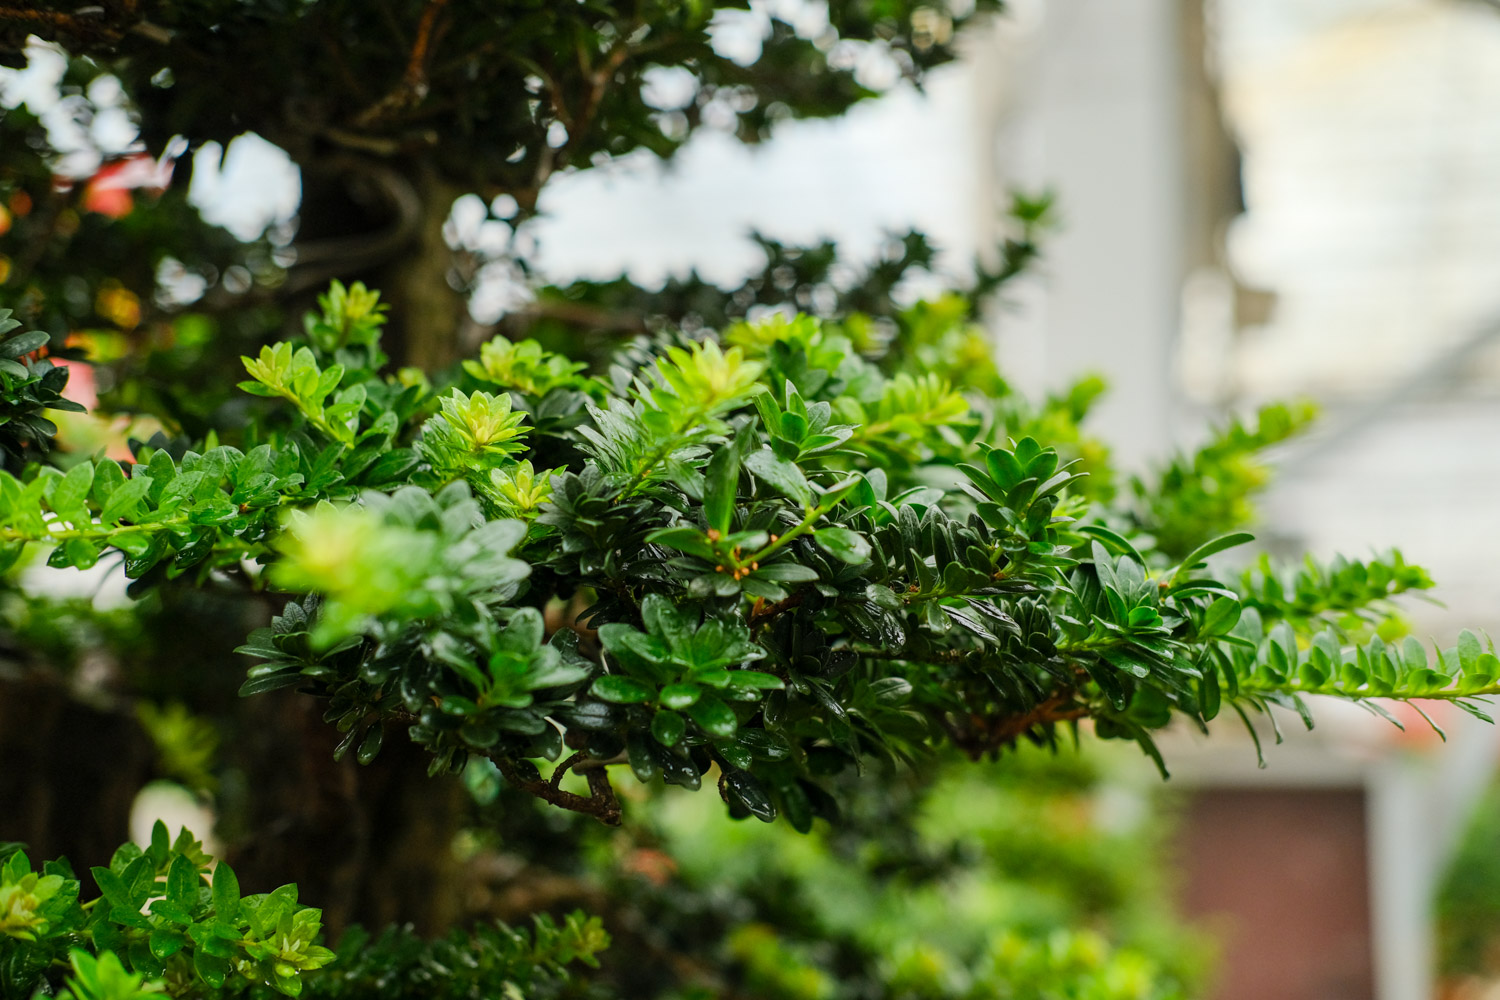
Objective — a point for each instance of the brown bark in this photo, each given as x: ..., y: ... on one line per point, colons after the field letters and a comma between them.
x: 381, y: 223
x: 416, y: 284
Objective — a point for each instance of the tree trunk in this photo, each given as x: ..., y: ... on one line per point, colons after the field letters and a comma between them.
x: 383, y: 224
x: 369, y: 844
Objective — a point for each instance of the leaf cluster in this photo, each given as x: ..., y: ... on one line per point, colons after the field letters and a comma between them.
x: 172, y: 921
x: 168, y: 919
x: 797, y: 564
x: 29, y: 384
x: 1199, y: 495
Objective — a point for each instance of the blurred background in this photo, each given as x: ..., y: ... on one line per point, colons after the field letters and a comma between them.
x: 1256, y: 200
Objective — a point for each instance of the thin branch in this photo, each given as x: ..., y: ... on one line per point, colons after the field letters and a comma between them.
x: 57, y: 19
x: 764, y: 612
x: 982, y: 735
x: 559, y: 772
x: 416, y: 64
x: 579, y: 315
x: 413, y: 86
x: 595, y: 763
x: 601, y: 803
x: 940, y: 656
x: 92, y: 25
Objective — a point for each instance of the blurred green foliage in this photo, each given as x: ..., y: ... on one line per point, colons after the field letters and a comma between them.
x: 950, y: 881
x: 1467, y: 907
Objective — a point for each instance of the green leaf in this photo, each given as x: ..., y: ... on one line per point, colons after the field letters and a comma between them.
x: 125, y: 497
x: 1209, y: 695
x: 72, y: 490
x: 1222, y: 615
x: 678, y: 696
x: 166, y: 942
x: 843, y: 544
x: 642, y: 758
x: 369, y: 747
x: 755, y: 680
x: 79, y: 553
x: 1469, y: 650
x: 182, y: 883
x: 751, y: 794
x: 1113, y: 540
x: 161, y: 843
x: 621, y: 690
x: 673, y: 623
x: 787, y: 572
x: 668, y: 728
x: 23, y: 343
x: 713, y: 716
x: 719, y: 488
x: 689, y: 540
x: 1211, y: 547
x: 210, y: 968
x: 226, y: 893
x: 786, y: 477
x: 115, y: 891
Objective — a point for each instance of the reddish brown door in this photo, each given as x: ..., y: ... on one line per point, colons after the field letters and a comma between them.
x: 1281, y: 877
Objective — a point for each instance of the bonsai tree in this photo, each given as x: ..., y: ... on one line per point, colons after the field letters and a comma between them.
x: 781, y: 586
x: 794, y: 557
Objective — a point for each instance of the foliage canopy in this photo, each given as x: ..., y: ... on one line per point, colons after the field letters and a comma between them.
x: 797, y: 541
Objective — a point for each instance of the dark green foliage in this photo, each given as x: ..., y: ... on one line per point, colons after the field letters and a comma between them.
x: 29, y: 384
x: 765, y: 601
x: 493, y: 80
x: 792, y: 558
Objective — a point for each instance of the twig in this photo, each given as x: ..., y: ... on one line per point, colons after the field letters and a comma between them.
x: 92, y: 25
x: 764, y: 612
x: 57, y: 19
x: 600, y: 803
x: 595, y: 763
x: 416, y: 65
x: 982, y: 735
x: 941, y: 656
x: 576, y: 314
x: 413, y: 86
x: 559, y: 772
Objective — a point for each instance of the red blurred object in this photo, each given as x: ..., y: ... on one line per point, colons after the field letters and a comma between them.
x: 80, y: 388
x: 657, y: 867
x: 1416, y: 733
x: 109, y: 190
